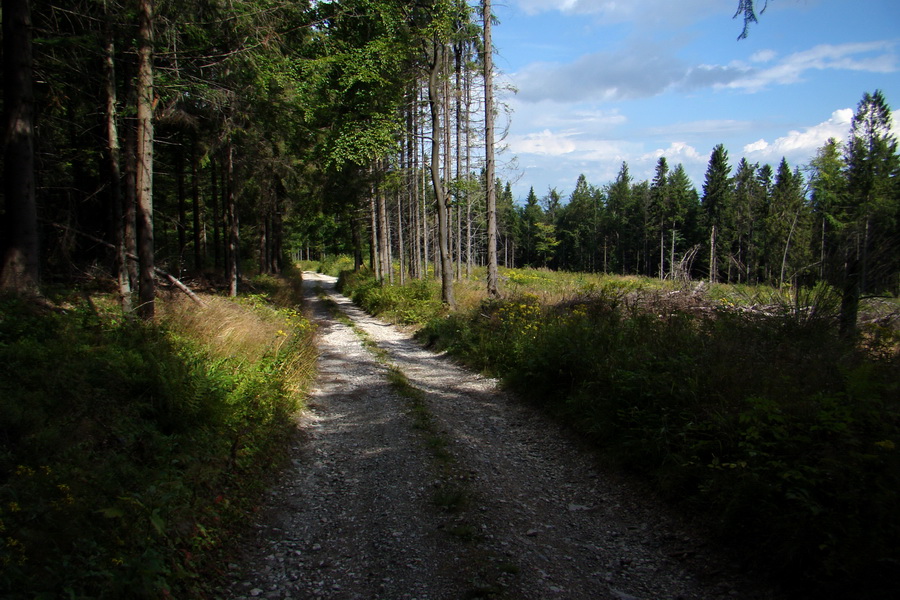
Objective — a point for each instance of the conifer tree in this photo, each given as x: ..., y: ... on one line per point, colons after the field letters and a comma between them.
x: 19, y: 260
x: 716, y: 202
x: 661, y: 208
x: 618, y: 203
x: 873, y: 208
x: 829, y: 189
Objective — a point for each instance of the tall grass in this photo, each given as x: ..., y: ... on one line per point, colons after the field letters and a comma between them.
x: 131, y: 452
x: 741, y: 406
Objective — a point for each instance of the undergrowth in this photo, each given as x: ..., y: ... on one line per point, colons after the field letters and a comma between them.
x: 416, y: 302
x: 782, y: 435
x: 130, y: 452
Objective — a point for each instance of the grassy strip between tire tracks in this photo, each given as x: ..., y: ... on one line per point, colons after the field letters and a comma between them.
x: 452, y: 492
x: 131, y: 452
x: 779, y: 433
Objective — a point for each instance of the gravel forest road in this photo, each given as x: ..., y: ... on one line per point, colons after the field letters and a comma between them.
x: 455, y: 491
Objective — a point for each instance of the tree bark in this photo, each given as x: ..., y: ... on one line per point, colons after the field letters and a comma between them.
x: 374, y: 255
x: 216, y: 217
x: 434, y: 103
x: 446, y: 154
x: 144, y: 154
x: 195, y: 206
x: 20, y: 269
x: 457, y: 66
x: 491, y: 191
x: 182, y: 205
x: 468, y: 169
x: 114, y: 170
x: 383, y: 226
x: 233, y: 240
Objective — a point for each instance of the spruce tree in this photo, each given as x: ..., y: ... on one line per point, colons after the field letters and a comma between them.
x: 870, y: 230
x: 716, y: 202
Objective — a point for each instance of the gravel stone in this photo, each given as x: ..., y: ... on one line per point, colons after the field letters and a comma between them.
x: 356, y: 515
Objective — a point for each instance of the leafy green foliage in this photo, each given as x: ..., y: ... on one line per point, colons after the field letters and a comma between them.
x: 781, y: 433
x: 129, y: 451
x: 413, y: 303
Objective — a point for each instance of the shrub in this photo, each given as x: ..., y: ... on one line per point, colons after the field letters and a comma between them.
x: 779, y: 432
x: 129, y: 450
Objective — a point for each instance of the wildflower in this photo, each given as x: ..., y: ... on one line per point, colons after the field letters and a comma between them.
x: 886, y: 444
x: 14, y: 507
x: 66, y: 492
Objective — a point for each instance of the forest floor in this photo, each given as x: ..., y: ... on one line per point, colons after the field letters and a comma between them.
x: 413, y: 478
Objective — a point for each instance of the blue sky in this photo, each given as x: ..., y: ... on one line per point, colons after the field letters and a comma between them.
x: 600, y: 82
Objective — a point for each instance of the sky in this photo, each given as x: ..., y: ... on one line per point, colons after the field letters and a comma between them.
x: 599, y: 82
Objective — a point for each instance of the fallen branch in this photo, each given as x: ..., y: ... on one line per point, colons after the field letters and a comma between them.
x: 172, y: 279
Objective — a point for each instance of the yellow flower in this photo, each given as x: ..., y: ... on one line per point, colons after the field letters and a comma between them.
x: 886, y: 444
x: 14, y: 507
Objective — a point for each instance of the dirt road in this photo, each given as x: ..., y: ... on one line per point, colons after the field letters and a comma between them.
x: 451, y: 489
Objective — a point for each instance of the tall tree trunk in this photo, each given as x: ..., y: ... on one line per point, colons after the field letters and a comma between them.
x: 468, y: 94
x: 357, y: 244
x: 216, y: 217
x: 144, y: 154
x: 277, y: 237
x: 424, y: 204
x: 850, y: 295
x: 383, y: 227
x: 713, y: 259
x: 448, y: 172
x: 263, y: 243
x: 233, y: 259
x: 182, y: 205
x: 114, y: 169
x: 492, y: 274
x: 457, y: 65
x: 400, y: 237
x: 672, y: 252
x: 412, y: 162
x: 374, y: 254
x: 434, y: 103
x: 662, y: 250
x: 129, y: 208
x: 20, y: 269
x: 195, y: 207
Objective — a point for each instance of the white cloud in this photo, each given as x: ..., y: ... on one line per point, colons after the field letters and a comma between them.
x: 545, y: 143
x: 648, y: 69
x: 618, y: 11
x: 757, y: 146
x: 677, y: 152
x: 763, y: 56
x: 633, y: 72
x: 873, y: 57
x: 800, y: 146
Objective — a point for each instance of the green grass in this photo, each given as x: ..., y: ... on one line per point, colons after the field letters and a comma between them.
x: 781, y: 436
x: 130, y: 453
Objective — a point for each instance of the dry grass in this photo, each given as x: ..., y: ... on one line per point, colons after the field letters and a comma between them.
x: 248, y: 331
